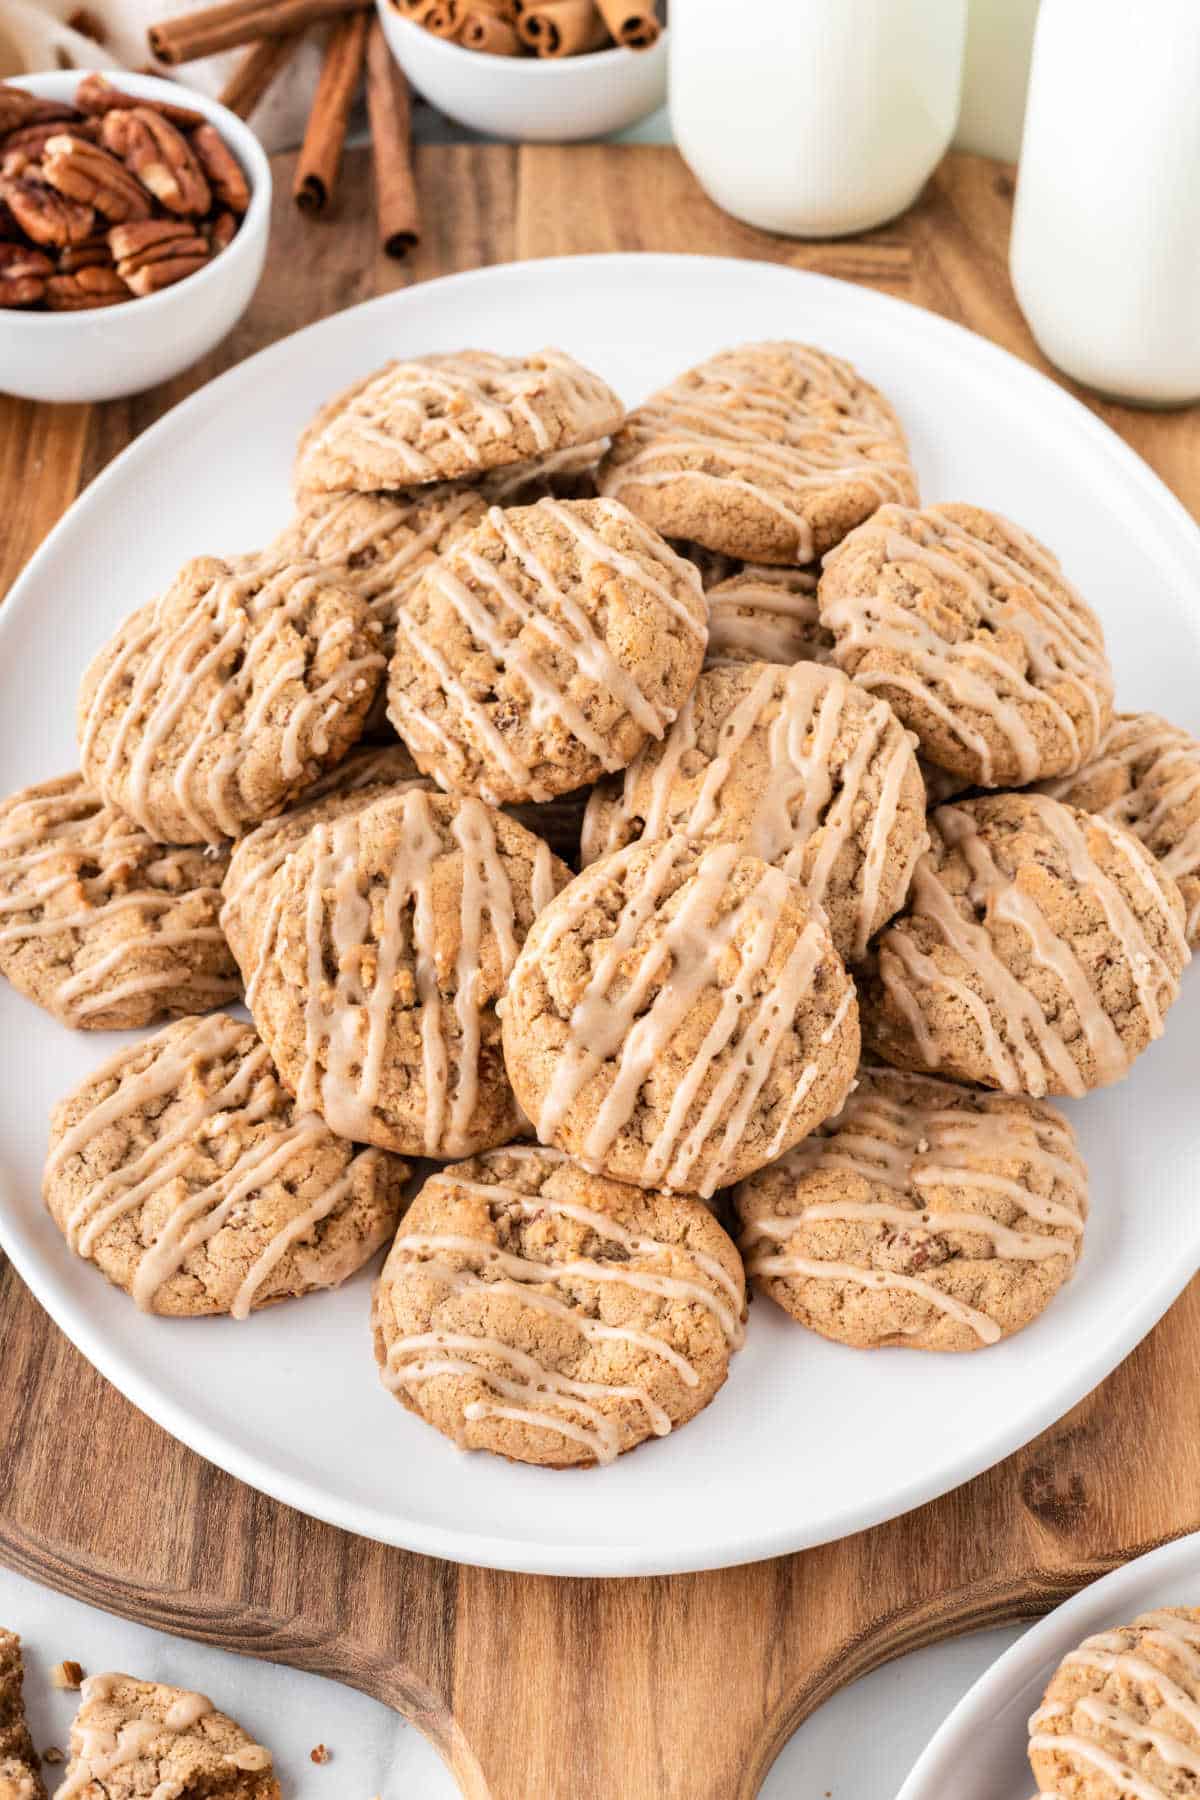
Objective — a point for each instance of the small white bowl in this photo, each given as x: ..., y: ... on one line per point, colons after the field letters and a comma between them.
x: 532, y: 99
x: 123, y: 349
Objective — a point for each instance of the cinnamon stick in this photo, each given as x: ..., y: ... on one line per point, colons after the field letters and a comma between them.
x: 325, y: 136
x: 489, y: 32
x: 562, y: 27
x: 256, y: 71
x: 633, y: 23
x: 389, y: 105
x: 414, y: 9
x: 234, y: 22
x: 443, y: 19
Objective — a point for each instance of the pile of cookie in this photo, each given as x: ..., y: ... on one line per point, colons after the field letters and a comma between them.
x: 637, y: 861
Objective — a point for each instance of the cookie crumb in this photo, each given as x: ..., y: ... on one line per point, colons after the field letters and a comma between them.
x: 52, y: 1754
x: 320, y: 1754
x: 66, y: 1675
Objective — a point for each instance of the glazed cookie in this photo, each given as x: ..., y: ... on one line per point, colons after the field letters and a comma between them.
x: 222, y: 700
x: 1039, y: 951
x: 766, y: 615
x: 364, y: 776
x: 98, y: 923
x: 570, y: 474
x: 387, y: 938
x: 20, y: 1766
x: 968, y: 627
x: 925, y: 1215
x: 770, y: 453
x: 552, y: 1316
x: 544, y: 649
x: 679, y: 1017
x: 1121, y: 1715
x: 1146, y: 775
x: 796, y: 766
x: 132, y: 1738
x: 191, y: 1178
x: 453, y: 415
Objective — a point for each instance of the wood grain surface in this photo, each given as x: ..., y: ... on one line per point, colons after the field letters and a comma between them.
x: 536, y: 1689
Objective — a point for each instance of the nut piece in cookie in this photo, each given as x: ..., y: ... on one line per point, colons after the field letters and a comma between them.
x: 552, y: 1316
x: 1120, y: 1714
x: 132, y: 1738
x: 20, y: 1769
x: 453, y: 415
x: 770, y: 453
x: 679, y: 1017
x: 216, y: 704
x: 101, y: 925
x: 769, y: 615
x: 188, y: 1174
x: 386, y: 939
x: 796, y: 766
x: 967, y: 626
x: 1146, y: 776
x: 924, y: 1214
x: 544, y: 649
x: 1039, y: 951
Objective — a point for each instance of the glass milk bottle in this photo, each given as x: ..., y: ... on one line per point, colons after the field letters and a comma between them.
x: 1105, y: 253
x: 815, y: 117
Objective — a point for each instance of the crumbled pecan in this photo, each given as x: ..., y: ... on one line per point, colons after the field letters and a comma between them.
x: 93, y: 253
x: 95, y: 95
x: 46, y: 217
x: 161, y: 159
x: 85, y: 289
x: 18, y: 108
x: 222, y: 230
x: 87, y: 173
x: 155, y: 253
x: 23, y: 275
x: 66, y: 1675
x: 229, y: 184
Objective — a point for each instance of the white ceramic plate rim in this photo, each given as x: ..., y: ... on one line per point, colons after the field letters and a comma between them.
x: 740, y: 1541
x: 1172, y: 1570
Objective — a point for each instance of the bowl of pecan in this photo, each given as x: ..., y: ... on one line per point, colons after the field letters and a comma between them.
x: 133, y: 231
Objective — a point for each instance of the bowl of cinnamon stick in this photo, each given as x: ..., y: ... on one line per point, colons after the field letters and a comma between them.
x: 536, y: 71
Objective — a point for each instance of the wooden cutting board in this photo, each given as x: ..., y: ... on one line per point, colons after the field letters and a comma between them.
x: 536, y: 1689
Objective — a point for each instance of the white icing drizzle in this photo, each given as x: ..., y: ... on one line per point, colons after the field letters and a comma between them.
x: 504, y: 623
x: 1025, y: 1048
x: 1060, y: 640
x: 99, y: 1751
x: 911, y: 1134
x: 525, y: 1389
x: 162, y: 657
x: 617, y: 1022
x: 475, y: 401
x: 1163, y: 1697
x: 1153, y: 770
x: 725, y: 428
x: 766, y: 614
x: 804, y: 815
x: 243, y: 1096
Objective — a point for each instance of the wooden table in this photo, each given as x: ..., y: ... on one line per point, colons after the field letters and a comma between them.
x: 536, y: 1689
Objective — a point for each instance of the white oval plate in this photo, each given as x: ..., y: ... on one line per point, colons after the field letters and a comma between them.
x: 980, y: 1751
x: 808, y: 1441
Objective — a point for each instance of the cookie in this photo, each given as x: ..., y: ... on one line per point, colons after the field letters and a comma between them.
x: 925, y: 1215
x: 544, y: 649
x: 187, y: 1173
x: 223, y: 699
x: 796, y: 766
x: 387, y: 939
x: 967, y: 626
x: 770, y: 453
x: 364, y: 776
x: 679, y: 1017
x: 99, y: 924
x: 769, y: 615
x: 570, y: 474
x: 1121, y: 1715
x: 1039, y: 951
x: 1146, y: 775
x: 552, y: 1316
x: 455, y: 415
x: 132, y: 1738
x: 20, y: 1765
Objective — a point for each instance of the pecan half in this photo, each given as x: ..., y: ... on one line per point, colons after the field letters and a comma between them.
x: 95, y: 95
x: 229, y: 185
x: 155, y: 253
x: 46, y: 217
x: 87, y: 173
x: 93, y: 253
x: 162, y: 160
x: 19, y: 108
x: 85, y: 289
x: 31, y: 139
x: 222, y: 229
x: 23, y: 274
